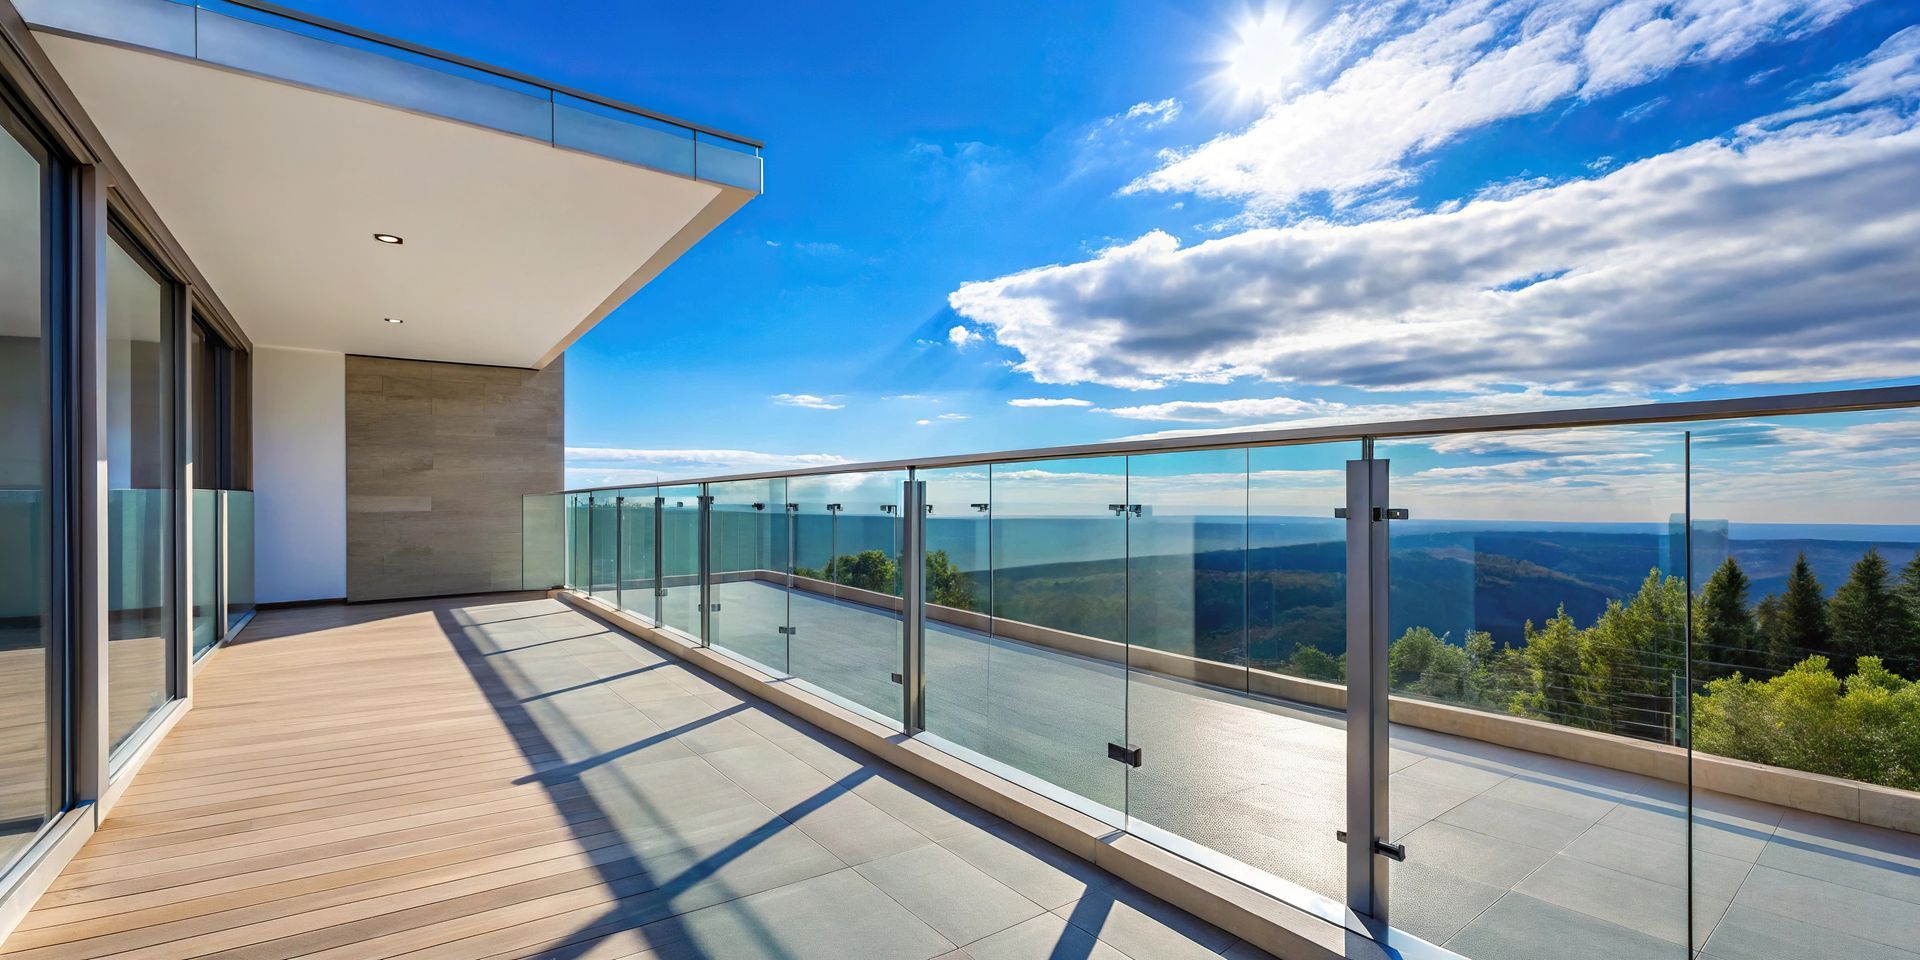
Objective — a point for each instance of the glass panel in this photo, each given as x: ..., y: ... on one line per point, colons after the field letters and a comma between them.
x: 1250, y: 783
x: 603, y: 547
x: 1043, y: 694
x: 543, y: 540
x: 638, y: 580
x: 577, y: 541
x: 206, y: 616
x: 139, y: 398
x: 239, y: 555
x: 680, y: 558
x: 846, y: 614
x: 724, y: 161
x: 596, y: 128
x: 1805, y: 535
x: 1539, y: 624
x: 262, y: 42
x: 26, y: 743
x: 749, y: 541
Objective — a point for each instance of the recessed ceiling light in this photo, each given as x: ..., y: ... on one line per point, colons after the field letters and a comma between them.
x: 392, y: 320
x: 388, y: 238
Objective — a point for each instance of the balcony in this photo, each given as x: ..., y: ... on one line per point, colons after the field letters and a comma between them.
x: 505, y: 776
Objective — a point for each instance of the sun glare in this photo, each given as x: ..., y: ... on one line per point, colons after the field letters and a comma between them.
x: 1263, y: 58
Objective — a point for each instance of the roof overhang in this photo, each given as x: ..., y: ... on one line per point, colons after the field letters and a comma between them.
x: 275, y: 148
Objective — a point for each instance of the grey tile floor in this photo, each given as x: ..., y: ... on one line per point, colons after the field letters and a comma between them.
x: 1510, y: 854
x: 764, y: 837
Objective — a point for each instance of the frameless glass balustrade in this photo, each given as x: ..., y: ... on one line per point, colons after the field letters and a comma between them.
x: 1643, y: 689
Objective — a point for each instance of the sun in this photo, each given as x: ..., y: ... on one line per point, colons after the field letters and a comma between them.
x: 1263, y: 58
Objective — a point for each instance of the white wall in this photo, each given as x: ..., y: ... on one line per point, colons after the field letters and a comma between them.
x: 299, y: 474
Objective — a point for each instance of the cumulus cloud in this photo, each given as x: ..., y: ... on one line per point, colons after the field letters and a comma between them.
x: 1782, y: 254
x: 806, y: 400
x: 963, y: 337
x: 1294, y: 412
x: 1451, y: 68
x: 1049, y: 402
x: 604, y: 466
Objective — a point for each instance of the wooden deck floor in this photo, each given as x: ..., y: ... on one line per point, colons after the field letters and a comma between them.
x: 505, y: 777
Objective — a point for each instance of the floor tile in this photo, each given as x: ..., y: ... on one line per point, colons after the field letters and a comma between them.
x: 951, y: 895
x: 1522, y: 928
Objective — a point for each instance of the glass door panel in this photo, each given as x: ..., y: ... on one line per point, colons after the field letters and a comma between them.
x: 1538, y: 622
x: 847, y: 615
x: 680, y: 558
x: 139, y: 401
x: 639, y: 579
x: 748, y: 521
x: 27, y: 760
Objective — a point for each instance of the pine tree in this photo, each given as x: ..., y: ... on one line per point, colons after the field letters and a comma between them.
x: 1910, y: 590
x: 1729, y: 640
x: 1870, y: 618
x: 1801, y: 629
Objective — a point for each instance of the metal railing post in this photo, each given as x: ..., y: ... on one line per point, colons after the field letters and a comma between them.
x: 1367, y: 768
x: 706, y: 567
x: 913, y: 604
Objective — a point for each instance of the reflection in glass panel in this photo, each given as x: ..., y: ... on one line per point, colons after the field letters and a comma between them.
x: 846, y: 614
x: 680, y: 558
x: 1806, y: 658
x: 1538, y: 600
x: 139, y: 392
x: 748, y: 520
x: 25, y: 740
x: 205, y: 616
x: 603, y: 546
x: 239, y: 560
x: 1044, y: 693
x: 639, y: 581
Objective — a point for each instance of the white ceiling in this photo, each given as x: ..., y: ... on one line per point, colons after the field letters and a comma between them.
x: 276, y: 191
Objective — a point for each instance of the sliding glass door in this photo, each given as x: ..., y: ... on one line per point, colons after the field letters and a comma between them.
x: 29, y: 736
x: 139, y: 452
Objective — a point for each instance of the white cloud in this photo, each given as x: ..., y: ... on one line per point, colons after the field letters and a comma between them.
x: 605, y: 466
x: 806, y: 400
x: 1453, y: 68
x: 963, y: 337
x: 921, y: 423
x: 1049, y: 402
x: 1314, y: 413
x: 1776, y: 255
x: 1154, y: 114
x: 952, y: 416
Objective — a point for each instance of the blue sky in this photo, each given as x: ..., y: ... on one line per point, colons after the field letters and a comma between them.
x: 1174, y: 217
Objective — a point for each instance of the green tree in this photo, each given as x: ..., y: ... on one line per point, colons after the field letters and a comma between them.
x: 1865, y: 728
x: 1729, y: 640
x: 1870, y: 617
x: 1553, y: 688
x: 947, y: 585
x: 1910, y: 591
x: 1314, y: 663
x: 1799, y: 628
x: 867, y: 570
x: 1631, y: 657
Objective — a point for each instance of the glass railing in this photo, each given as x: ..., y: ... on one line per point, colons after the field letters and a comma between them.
x: 221, y: 543
x: 311, y: 52
x: 1641, y: 682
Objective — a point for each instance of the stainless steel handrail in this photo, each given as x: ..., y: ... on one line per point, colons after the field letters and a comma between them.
x: 1685, y: 411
